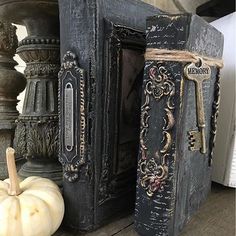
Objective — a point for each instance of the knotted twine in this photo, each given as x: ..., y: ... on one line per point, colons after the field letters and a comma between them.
x: 155, y: 54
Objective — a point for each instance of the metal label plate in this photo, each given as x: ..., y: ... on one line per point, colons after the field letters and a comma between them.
x: 72, y: 117
x: 69, y: 112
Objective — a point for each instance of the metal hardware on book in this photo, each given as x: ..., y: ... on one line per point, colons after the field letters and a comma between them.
x: 198, y: 73
x: 71, y: 116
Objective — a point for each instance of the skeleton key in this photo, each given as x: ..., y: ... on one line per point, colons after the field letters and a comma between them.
x: 197, y: 74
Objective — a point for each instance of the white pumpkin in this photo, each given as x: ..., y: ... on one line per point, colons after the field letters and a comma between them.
x: 34, y: 207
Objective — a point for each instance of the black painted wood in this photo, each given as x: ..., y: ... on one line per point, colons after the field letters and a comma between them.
x: 182, y: 177
x: 103, y: 34
x: 216, y: 8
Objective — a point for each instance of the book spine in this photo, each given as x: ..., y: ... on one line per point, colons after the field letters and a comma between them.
x: 174, y: 174
x: 160, y: 125
x: 77, y: 105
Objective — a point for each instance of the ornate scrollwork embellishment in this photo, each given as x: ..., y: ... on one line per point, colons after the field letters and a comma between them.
x: 154, y: 171
x: 72, y: 117
x: 154, y: 175
x: 215, y: 111
x: 159, y: 85
x: 71, y: 172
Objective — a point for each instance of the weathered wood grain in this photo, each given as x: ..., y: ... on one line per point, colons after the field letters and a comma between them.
x: 215, y: 218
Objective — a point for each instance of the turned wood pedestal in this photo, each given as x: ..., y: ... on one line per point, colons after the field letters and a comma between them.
x: 36, y: 135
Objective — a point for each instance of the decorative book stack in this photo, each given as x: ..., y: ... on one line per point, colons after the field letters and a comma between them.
x: 178, y: 121
x: 100, y: 97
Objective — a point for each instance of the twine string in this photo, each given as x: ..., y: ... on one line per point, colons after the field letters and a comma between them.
x: 155, y: 54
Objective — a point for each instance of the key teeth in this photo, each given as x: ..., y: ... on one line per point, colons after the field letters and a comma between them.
x: 191, y: 146
x: 191, y: 149
x: 192, y: 137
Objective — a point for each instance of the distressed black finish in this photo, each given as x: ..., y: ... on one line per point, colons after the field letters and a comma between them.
x: 107, y: 39
x: 172, y: 180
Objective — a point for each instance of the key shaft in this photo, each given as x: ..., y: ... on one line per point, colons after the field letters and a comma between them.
x: 198, y: 73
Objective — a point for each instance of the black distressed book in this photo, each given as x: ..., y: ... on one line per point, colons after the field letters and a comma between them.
x: 102, y: 47
x: 174, y: 166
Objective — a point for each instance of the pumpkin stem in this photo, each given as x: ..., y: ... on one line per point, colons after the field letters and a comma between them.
x: 14, y: 189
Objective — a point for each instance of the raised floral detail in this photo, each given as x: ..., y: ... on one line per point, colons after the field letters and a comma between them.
x: 154, y: 170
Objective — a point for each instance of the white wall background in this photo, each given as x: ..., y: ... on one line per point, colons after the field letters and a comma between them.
x: 21, y: 33
x: 176, y: 6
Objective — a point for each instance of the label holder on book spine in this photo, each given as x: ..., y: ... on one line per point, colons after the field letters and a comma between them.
x: 72, y: 116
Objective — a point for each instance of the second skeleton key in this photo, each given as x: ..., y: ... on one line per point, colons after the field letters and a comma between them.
x: 198, y: 73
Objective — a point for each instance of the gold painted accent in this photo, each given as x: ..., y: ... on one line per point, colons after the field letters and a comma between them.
x: 170, y: 121
x: 154, y: 170
x: 168, y: 139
